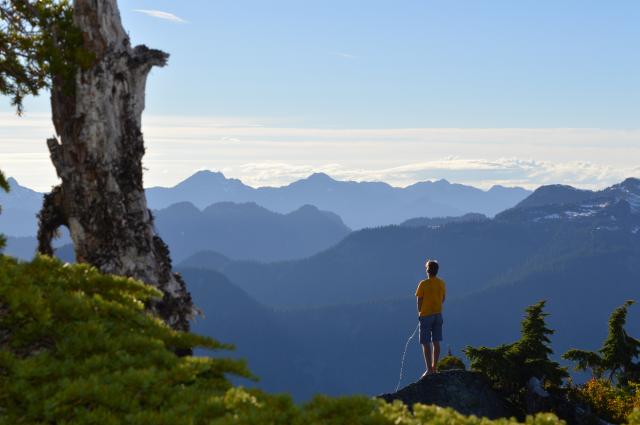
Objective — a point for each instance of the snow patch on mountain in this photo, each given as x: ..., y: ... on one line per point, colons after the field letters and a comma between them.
x: 579, y: 214
x: 634, y: 200
x: 608, y: 228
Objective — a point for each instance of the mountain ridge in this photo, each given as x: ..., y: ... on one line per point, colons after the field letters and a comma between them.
x: 248, y: 231
x: 359, y: 204
x: 384, y: 263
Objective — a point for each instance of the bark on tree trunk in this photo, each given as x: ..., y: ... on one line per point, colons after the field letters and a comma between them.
x: 98, y: 156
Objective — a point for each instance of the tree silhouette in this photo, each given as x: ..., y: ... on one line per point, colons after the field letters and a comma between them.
x: 511, y: 366
x: 617, y: 354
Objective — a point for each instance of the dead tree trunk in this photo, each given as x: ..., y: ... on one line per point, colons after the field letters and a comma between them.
x: 98, y: 156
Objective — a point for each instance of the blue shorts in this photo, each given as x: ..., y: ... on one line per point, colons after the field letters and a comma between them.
x: 430, y: 328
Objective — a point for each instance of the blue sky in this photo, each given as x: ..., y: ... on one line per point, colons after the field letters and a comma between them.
x: 267, y: 91
x: 420, y: 63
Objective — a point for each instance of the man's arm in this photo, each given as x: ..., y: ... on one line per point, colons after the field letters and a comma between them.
x: 419, y: 304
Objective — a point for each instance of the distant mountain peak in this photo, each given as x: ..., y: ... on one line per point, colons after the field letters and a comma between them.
x: 207, y: 174
x: 320, y: 177
x: 499, y: 187
x: 631, y: 184
x: 231, y: 207
x: 308, y: 207
x: 183, y: 207
x: 204, y: 179
x: 604, y: 209
x: 555, y: 194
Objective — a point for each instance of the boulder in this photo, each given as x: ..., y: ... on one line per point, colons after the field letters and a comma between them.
x: 469, y: 393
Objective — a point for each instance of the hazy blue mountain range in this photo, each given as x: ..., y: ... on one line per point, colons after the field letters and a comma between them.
x: 566, y: 203
x: 19, y: 209
x: 360, y: 204
x: 349, y: 310
x: 357, y: 348
x: 24, y: 247
x: 386, y: 263
x: 364, y: 204
x: 248, y: 231
x: 237, y: 231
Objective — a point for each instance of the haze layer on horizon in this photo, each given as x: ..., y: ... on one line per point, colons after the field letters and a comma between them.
x: 482, y: 93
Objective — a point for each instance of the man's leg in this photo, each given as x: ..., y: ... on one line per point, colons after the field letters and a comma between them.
x: 436, y: 338
x: 425, y: 341
x: 436, y: 356
x: 426, y: 350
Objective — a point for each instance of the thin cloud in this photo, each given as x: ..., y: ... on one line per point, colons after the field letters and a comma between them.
x: 162, y: 15
x: 477, y: 172
x: 280, y: 154
x: 344, y: 55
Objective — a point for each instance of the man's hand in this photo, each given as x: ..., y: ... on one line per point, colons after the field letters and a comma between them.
x: 419, y: 305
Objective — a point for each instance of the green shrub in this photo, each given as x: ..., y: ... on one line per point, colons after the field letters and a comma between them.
x: 607, y: 401
x: 451, y: 362
x: 77, y: 347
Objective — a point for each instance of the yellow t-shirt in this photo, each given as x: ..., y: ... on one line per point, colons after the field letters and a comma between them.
x: 432, y: 291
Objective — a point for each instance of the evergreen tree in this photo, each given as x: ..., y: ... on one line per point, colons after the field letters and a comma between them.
x: 617, y: 354
x: 511, y: 366
x: 534, y: 348
x: 40, y: 47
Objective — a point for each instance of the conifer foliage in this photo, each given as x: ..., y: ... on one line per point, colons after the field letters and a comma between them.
x: 4, y: 185
x: 511, y: 366
x: 38, y: 42
x: 77, y: 346
x: 617, y: 356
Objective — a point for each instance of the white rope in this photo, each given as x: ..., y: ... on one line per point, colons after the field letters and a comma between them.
x: 405, y: 353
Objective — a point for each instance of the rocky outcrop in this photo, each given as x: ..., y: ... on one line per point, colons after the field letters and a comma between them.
x: 469, y: 393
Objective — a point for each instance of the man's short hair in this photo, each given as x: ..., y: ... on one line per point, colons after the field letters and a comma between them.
x: 432, y: 267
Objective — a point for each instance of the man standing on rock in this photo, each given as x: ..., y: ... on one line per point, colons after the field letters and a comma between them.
x: 431, y: 293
